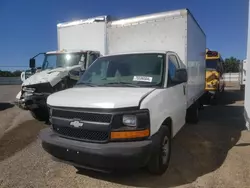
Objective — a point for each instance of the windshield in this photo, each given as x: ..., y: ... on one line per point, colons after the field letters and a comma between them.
x: 52, y: 61
x: 211, y: 64
x: 130, y: 70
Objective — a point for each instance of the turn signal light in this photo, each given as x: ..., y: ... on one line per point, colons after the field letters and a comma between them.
x: 130, y: 134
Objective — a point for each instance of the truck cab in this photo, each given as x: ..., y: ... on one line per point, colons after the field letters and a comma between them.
x: 59, y: 70
x: 80, y: 42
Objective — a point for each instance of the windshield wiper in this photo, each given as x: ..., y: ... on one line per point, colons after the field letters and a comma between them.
x: 87, y: 84
x: 121, y: 84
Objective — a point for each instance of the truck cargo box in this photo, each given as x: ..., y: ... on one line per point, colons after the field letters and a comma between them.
x: 87, y: 34
x: 175, y: 31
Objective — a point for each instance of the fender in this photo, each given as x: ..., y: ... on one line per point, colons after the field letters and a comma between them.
x: 144, y: 96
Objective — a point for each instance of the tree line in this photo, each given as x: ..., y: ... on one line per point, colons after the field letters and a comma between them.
x: 16, y: 73
x: 231, y: 64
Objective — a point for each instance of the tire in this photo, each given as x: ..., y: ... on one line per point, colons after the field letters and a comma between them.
x: 242, y: 87
x: 207, y: 99
x: 192, y: 115
x: 40, y: 114
x: 223, y: 89
x: 159, y: 161
x: 215, y: 98
x: 214, y: 101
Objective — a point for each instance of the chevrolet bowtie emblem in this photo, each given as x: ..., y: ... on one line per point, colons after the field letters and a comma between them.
x: 76, y: 124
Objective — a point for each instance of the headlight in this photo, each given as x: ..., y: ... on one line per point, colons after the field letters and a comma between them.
x: 129, y: 120
x: 130, y: 125
x: 29, y: 89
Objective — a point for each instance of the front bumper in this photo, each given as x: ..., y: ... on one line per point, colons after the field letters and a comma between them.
x: 32, y: 101
x: 211, y: 92
x: 98, y: 156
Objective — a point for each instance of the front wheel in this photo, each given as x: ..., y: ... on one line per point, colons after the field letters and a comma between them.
x: 159, y: 161
x: 40, y: 114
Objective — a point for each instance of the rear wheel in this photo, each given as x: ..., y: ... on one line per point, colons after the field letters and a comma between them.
x: 223, y: 89
x: 40, y: 114
x: 159, y: 161
x: 214, y: 99
x: 192, y: 115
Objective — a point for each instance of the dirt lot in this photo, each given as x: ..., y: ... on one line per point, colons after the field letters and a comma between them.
x: 213, y: 153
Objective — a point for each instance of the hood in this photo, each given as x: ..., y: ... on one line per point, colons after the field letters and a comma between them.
x: 98, y: 97
x: 52, y: 76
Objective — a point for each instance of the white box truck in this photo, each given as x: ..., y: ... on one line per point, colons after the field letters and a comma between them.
x: 127, y: 107
x: 79, y: 44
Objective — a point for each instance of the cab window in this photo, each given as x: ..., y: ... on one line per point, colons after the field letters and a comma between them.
x: 173, y: 65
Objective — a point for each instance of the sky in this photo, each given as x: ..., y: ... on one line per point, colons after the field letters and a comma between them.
x: 28, y: 27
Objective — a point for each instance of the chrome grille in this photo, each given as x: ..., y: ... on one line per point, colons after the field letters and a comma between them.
x: 41, y: 87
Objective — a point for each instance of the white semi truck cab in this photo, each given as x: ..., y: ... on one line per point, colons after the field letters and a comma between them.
x: 60, y: 70
x: 128, y: 105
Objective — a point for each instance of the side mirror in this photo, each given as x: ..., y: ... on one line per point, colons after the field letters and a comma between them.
x: 32, y: 63
x: 180, y: 76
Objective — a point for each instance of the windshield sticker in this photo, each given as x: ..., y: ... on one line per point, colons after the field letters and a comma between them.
x: 142, y: 79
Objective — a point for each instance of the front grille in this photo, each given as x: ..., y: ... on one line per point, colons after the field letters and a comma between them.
x: 82, y: 134
x: 85, y: 116
x: 41, y: 88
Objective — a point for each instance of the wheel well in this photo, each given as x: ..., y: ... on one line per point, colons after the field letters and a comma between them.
x: 168, y: 123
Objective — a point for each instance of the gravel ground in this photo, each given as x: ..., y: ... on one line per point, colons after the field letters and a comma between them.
x: 213, y: 153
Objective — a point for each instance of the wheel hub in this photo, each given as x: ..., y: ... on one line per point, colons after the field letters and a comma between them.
x: 165, y: 150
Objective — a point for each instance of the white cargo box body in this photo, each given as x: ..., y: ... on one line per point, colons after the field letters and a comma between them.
x: 244, y: 72
x: 167, y: 31
x: 88, y: 34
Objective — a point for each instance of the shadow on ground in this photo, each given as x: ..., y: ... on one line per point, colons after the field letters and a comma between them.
x: 197, y: 149
x: 231, y: 97
x: 18, y: 138
x: 5, y: 106
x: 227, y: 97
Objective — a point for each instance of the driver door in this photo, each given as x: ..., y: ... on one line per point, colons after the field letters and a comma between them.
x: 176, y: 92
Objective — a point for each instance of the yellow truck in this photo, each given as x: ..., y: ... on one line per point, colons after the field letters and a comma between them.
x: 215, y: 83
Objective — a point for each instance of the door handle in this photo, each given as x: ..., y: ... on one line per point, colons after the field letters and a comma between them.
x: 184, y: 89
